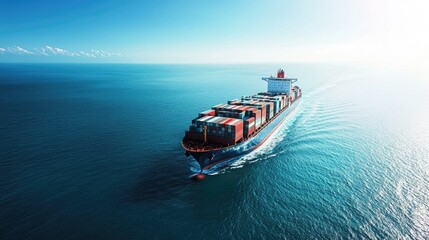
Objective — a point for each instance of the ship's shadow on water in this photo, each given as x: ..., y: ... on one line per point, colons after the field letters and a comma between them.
x: 162, y: 181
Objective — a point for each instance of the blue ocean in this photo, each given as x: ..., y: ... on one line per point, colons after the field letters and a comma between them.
x: 93, y: 151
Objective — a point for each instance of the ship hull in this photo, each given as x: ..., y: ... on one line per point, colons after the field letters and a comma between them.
x: 225, y: 156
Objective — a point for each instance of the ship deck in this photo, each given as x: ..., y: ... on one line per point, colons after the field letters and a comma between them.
x: 196, y: 146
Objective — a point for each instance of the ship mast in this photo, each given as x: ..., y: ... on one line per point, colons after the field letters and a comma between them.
x: 205, y: 134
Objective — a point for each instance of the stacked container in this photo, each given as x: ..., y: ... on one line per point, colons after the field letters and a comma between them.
x: 230, y: 102
x: 283, y: 101
x: 232, y: 111
x: 249, y: 126
x: 256, y: 113
x: 229, y: 123
x: 259, y: 105
x: 275, y: 103
x: 272, y: 108
x: 207, y: 113
x: 231, y: 114
x: 276, y: 100
x: 219, y: 129
x: 296, y: 92
x: 249, y: 111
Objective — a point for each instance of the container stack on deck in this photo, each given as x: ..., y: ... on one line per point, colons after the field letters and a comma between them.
x: 296, y: 92
x: 227, y: 124
x: 249, y: 126
x: 220, y: 130
x: 207, y: 113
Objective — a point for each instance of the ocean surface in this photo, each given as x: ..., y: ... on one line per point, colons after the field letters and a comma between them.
x: 93, y: 152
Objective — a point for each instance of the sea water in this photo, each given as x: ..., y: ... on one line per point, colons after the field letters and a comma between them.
x: 92, y: 151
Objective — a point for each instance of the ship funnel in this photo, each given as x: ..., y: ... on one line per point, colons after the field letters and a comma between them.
x: 280, y: 73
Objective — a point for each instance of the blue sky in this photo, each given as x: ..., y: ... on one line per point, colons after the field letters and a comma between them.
x: 219, y: 31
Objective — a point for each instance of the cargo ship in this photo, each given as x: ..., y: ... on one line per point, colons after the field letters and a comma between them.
x: 228, y: 131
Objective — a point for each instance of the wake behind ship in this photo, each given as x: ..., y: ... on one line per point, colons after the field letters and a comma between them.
x: 228, y: 131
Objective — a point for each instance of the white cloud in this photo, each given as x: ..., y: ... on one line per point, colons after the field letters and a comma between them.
x: 42, y: 51
x: 22, y: 50
x: 55, y: 51
x: 58, y: 51
x: 16, y: 50
x: 82, y: 53
x: 102, y: 53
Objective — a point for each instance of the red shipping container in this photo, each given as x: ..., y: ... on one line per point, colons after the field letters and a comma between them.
x: 238, y: 125
x: 238, y: 135
x: 207, y: 113
x: 263, y: 114
x: 251, y: 130
x: 258, y: 114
